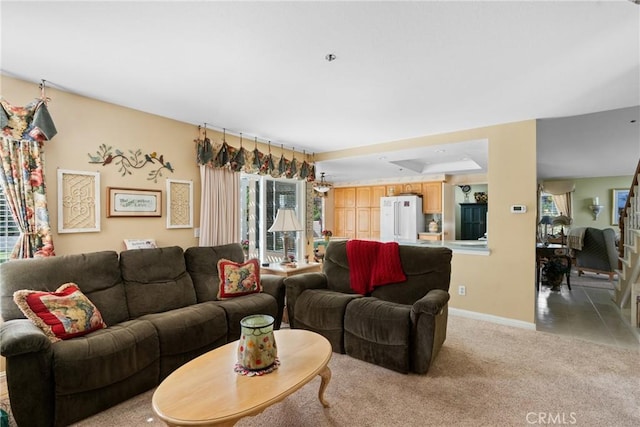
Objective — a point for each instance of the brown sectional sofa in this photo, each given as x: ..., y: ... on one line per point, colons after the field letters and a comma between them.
x: 161, y: 311
x: 400, y: 326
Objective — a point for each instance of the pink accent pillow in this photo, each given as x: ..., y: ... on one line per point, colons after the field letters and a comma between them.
x: 62, y: 314
x: 237, y: 279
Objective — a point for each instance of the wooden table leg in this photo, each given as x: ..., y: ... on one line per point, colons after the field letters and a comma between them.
x: 325, y: 374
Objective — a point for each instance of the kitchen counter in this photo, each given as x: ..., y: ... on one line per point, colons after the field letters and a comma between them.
x: 469, y: 247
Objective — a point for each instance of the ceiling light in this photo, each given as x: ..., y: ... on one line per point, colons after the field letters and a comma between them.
x: 322, y: 186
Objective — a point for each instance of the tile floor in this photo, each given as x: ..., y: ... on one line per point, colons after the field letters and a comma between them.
x: 587, y: 313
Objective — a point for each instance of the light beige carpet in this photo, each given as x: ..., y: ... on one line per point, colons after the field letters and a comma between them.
x: 485, y: 375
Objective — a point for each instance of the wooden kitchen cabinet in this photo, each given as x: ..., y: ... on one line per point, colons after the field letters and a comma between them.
x: 376, y: 193
x: 363, y: 223
x: 393, y: 190
x: 432, y: 197
x: 344, y: 221
x: 375, y: 223
x: 350, y: 222
x: 344, y: 197
x: 412, y: 187
x: 363, y: 197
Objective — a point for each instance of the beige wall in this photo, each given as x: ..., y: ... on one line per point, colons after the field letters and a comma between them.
x: 501, y: 284
x: 83, y: 124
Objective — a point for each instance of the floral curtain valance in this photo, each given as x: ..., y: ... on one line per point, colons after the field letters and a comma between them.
x: 252, y: 161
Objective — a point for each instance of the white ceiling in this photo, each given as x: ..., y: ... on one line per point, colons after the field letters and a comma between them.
x: 402, y: 70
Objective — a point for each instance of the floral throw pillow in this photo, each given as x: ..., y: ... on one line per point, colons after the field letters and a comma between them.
x: 62, y: 314
x: 237, y: 279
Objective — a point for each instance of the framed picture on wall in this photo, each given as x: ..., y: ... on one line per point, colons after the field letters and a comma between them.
x: 179, y: 203
x: 133, y: 202
x: 78, y: 201
x: 619, y: 200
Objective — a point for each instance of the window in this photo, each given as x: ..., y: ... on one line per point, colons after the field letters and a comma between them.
x: 261, y: 197
x: 548, y: 206
x: 9, y: 231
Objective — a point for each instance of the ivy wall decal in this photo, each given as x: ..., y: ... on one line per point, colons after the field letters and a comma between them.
x: 105, y: 155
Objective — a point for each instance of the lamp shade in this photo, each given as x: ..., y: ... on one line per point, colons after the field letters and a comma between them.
x: 546, y: 220
x: 286, y: 220
x: 562, y: 220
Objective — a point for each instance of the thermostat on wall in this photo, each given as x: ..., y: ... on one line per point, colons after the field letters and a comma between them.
x: 518, y: 208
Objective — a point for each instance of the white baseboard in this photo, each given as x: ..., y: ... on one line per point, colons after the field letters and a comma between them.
x: 491, y: 318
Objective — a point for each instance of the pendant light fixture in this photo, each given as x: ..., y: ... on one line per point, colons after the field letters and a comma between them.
x: 322, y: 186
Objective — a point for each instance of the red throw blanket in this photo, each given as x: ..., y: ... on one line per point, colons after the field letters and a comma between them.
x: 373, y: 264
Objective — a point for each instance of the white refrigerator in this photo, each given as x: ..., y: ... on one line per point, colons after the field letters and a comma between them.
x: 401, y: 218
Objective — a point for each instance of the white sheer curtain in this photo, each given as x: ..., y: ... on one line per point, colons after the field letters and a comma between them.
x: 219, y: 206
x: 561, y: 193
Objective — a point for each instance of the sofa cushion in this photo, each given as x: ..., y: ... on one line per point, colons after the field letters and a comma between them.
x: 426, y: 268
x: 105, y: 357
x: 188, y: 332
x: 97, y: 274
x: 238, y: 308
x: 202, y: 265
x: 156, y: 280
x: 62, y: 314
x: 322, y: 311
x: 238, y: 279
x: 379, y: 332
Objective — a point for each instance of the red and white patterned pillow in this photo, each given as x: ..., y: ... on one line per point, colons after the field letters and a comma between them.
x: 237, y: 279
x: 62, y: 314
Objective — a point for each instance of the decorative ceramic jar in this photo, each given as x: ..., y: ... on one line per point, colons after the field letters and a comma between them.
x: 433, y: 226
x: 257, y: 346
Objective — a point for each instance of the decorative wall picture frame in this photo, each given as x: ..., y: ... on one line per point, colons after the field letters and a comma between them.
x: 619, y: 199
x: 78, y: 201
x: 133, y: 202
x: 179, y: 203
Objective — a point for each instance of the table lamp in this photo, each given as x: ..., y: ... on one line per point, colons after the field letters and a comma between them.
x: 563, y: 221
x: 543, y: 229
x: 286, y: 221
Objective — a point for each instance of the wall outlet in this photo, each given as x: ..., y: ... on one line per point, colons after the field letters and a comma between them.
x: 462, y: 290
x: 196, y: 232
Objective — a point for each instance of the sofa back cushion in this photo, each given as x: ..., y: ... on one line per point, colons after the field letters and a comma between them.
x: 202, y: 265
x: 156, y: 280
x: 426, y: 268
x: 97, y: 274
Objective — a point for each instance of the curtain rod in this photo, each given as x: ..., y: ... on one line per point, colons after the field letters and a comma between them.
x: 208, y: 125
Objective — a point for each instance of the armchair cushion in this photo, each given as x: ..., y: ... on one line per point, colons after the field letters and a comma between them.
x: 599, y: 253
x: 322, y: 311
x: 379, y: 332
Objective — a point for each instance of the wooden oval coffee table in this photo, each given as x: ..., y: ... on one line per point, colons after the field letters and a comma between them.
x: 206, y: 391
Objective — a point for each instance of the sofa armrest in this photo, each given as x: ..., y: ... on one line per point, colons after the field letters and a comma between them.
x: 274, y: 286
x: 296, y: 285
x: 21, y: 336
x: 432, y: 303
x: 428, y: 328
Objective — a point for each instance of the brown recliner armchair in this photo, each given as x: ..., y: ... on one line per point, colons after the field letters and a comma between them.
x: 399, y: 326
x: 599, y: 253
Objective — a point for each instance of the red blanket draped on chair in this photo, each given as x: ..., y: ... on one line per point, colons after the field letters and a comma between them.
x: 373, y: 264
